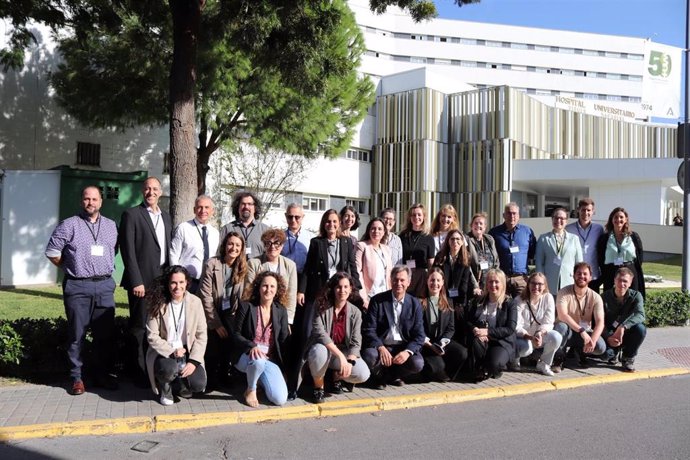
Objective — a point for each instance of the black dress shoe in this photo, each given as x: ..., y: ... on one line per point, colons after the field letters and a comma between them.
x: 337, y: 387
x: 292, y: 395
x: 319, y: 396
x: 398, y: 382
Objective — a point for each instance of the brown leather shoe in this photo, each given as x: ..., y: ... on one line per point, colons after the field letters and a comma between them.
x: 77, y: 388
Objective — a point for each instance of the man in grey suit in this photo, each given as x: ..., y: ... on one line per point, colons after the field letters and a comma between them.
x: 393, y: 333
x: 145, y: 233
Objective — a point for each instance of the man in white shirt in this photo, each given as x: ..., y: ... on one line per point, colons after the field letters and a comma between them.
x: 588, y: 233
x: 195, y: 241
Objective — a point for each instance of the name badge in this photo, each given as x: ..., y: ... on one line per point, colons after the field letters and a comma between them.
x: 225, y: 305
x: 248, y: 251
x: 263, y: 348
x: 586, y: 248
x: 484, y: 265
x: 618, y: 261
x: 615, y: 325
x: 176, y: 344
x: 411, y: 264
x: 453, y: 293
x: 557, y: 261
x: 514, y: 249
x: 97, y: 250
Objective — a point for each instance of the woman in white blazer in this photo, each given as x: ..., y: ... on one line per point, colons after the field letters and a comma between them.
x: 557, y: 253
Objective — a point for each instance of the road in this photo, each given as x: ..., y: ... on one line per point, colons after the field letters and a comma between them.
x: 639, y: 419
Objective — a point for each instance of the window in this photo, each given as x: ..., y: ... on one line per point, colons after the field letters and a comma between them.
x: 443, y: 39
x: 88, y: 154
x: 359, y: 205
x: 312, y: 203
x: 358, y: 154
x: 468, y: 41
x: 110, y: 193
x: 418, y: 59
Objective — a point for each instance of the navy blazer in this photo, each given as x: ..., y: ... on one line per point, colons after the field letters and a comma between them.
x: 245, y: 328
x: 379, y: 318
x: 139, y: 246
x: 315, y: 274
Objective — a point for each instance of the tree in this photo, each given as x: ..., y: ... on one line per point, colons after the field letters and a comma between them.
x: 418, y: 9
x: 267, y: 172
x: 279, y: 73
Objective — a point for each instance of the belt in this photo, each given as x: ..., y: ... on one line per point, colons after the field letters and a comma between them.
x: 89, y: 278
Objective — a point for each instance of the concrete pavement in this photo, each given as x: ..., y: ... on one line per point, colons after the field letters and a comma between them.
x: 31, y: 411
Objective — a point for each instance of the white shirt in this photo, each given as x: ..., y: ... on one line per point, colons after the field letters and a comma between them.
x: 177, y: 337
x: 159, y: 227
x: 187, y: 247
x: 544, y: 311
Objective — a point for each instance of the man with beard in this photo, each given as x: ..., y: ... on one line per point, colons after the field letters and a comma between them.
x: 84, y: 246
x: 145, y: 233
x: 246, y: 208
x: 588, y: 232
x: 580, y: 313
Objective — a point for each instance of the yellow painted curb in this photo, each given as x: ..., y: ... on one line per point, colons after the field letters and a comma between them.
x: 333, y: 408
x: 527, y: 388
x: 128, y: 425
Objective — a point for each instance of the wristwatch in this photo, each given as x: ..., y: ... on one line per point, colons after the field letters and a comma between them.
x: 581, y: 330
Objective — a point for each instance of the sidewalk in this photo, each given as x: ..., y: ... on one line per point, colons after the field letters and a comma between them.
x: 29, y: 411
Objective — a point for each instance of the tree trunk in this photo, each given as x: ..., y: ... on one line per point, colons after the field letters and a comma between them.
x: 186, y: 15
x: 202, y: 167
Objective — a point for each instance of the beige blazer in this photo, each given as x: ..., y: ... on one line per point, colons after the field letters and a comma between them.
x: 157, y: 335
x: 367, y: 261
x: 212, y: 289
x: 287, y: 269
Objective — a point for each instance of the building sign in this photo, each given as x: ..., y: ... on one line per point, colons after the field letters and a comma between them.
x: 661, y: 80
x: 607, y: 109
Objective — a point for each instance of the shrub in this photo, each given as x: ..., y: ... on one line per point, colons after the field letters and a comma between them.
x: 667, y: 308
x: 10, y: 345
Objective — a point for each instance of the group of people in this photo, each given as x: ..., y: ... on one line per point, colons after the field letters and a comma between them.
x: 427, y: 304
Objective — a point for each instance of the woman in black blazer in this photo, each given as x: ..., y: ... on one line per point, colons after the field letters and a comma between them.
x: 260, y: 337
x: 443, y: 356
x: 490, y: 327
x: 454, y: 261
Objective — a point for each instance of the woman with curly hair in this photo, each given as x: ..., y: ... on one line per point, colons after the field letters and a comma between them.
x: 176, y: 333
x: 222, y: 287
x: 620, y: 247
x: 336, y: 338
x: 260, y: 336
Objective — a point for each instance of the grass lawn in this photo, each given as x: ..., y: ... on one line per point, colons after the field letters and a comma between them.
x: 44, y: 302
x: 670, y: 269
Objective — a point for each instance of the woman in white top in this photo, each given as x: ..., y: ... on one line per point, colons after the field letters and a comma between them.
x: 536, y: 315
x: 177, y: 333
x: 373, y: 260
x: 445, y: 221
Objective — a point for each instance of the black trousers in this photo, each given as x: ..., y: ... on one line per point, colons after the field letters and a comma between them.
x: 447, y: 365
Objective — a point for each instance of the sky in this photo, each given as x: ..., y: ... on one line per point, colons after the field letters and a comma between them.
x: 662, y: 21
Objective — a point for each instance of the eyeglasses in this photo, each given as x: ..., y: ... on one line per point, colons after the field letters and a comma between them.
x: 537, y: 284
x: 275, y: 244
x: 290, y: 217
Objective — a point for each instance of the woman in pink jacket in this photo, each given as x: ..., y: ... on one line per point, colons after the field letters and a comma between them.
x: 373, y: 260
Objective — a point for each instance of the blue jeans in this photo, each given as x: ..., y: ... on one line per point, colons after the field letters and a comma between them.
x: 632, y: 339
x: 573, y: 339
x: 268, y: 374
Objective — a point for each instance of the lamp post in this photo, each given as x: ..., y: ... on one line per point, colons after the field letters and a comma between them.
x: 686, y: 157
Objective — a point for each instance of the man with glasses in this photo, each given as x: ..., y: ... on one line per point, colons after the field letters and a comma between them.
x: 393, y: 240
x: 246, y: 208
x: 297, y: 238
x: 515, y: 244
x: 588, y: 233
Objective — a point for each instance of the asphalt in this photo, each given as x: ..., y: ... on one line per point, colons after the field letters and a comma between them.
x: 35, y: 411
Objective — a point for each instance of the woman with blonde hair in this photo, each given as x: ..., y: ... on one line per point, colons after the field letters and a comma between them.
x: 418, y: 248
x: 446, y: 220
x: 490, y: 325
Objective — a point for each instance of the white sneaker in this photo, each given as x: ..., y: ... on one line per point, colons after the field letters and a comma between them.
x: 166, y: 401
x: 544, y: 368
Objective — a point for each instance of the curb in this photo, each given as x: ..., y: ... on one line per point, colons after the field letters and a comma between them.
x: 158, y: 423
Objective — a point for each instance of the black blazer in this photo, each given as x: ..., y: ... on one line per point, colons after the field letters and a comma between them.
x: 506, y: 324
x: 245, y: 327
x: 446, y: 325
x: 315, y: 274
x: 379, y: 317
x: 457, y: 276
x: 608, y: 271
x: 139, y: 246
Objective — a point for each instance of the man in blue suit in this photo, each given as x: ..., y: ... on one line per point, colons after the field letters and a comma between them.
x: 393, y: 333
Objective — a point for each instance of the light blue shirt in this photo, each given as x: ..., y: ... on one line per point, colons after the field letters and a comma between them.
x: 297, y: 246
